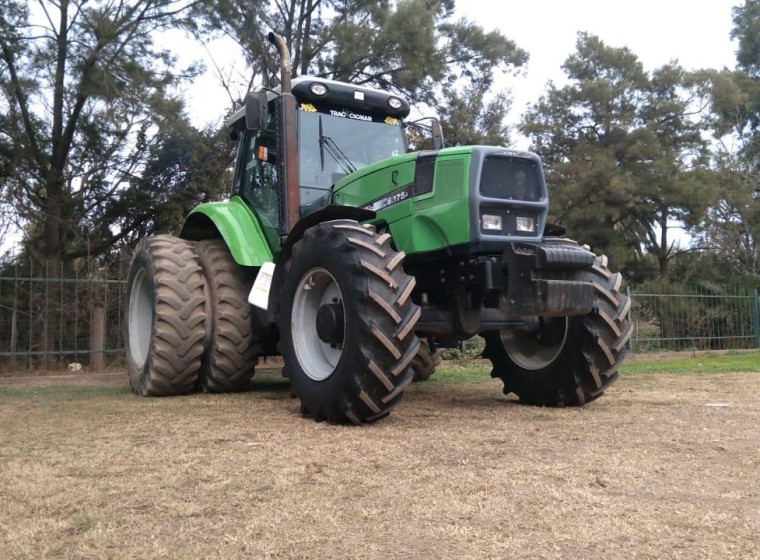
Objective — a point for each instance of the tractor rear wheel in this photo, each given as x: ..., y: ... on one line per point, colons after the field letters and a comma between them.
x: 570, y: 360
x: 425, y: 362
x: 347, y: 323
x: 230, y: 357
x: 165, y: 317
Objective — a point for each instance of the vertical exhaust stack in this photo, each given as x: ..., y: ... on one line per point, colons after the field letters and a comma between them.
x: 290, y: 133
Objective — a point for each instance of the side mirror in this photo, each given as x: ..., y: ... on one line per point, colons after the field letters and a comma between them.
x: 437, y: 131
x: 256, y: 110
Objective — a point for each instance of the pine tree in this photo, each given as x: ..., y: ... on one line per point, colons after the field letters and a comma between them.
x: 624, y: 153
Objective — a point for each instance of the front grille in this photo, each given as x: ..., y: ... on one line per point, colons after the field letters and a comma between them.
x: 509, y: 178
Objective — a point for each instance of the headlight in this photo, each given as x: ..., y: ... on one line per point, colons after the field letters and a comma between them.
x: 492, y: 222
x: 318, y: 89
x: 526, y: 224
x: 395, y: 102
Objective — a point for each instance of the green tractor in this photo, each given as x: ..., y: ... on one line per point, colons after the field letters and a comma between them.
x: 355, y: 258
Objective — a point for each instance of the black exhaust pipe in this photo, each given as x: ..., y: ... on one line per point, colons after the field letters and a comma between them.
x: 290, y: 135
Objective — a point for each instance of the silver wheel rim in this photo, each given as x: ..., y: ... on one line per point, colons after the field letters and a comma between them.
x: 140, y: 319
x: 317, y: 359
x: 528, y: 351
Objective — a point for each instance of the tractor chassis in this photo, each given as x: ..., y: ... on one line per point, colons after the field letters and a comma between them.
x: 461, y: 296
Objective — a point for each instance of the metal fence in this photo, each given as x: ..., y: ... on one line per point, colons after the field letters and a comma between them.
x: 51, y: 319
x: 681, y: 318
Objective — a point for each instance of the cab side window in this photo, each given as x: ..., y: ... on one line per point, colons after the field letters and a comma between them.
x: 260, y: 180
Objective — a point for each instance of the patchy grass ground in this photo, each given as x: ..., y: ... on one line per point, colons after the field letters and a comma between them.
x: 651, y: 470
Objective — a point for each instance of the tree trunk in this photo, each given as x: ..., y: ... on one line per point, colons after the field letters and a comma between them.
x: 53, y: 220
x: 663, y: 258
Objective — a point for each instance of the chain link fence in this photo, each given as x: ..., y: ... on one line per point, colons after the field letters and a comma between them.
x: 52, y: 319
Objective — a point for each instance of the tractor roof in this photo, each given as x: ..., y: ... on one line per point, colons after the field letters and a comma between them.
x: 339, y: 94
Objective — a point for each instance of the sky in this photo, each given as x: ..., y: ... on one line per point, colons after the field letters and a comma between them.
x: 697, y: 34
x: 657, y: 31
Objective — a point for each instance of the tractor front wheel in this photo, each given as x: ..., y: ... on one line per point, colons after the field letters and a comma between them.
x: 347, y: 323
x: 568, y: 361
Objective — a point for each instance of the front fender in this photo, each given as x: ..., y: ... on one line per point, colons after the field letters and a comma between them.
x: 236, y: 223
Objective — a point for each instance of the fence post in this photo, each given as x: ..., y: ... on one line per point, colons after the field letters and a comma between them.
x: 628, y: 316
x: 755, y: 303
x: 97, y: 331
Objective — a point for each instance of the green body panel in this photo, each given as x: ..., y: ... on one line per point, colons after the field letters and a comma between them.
x: 237, y: 225
x: 428, y: 222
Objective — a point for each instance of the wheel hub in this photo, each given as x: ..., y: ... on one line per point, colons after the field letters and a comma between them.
x: 535, y: 350
x: 140, y: 317
x: 317, y: 306
x: 330, y: 323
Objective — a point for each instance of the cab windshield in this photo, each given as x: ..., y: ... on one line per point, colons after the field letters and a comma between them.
x: 331, y: 147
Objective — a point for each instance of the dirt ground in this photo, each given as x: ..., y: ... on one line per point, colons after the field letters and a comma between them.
x: 663, y: 466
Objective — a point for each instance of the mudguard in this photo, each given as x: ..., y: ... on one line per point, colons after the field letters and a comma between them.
x: 236, y: 223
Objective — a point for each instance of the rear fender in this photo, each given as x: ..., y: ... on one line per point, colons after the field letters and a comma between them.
x: 236, y: 223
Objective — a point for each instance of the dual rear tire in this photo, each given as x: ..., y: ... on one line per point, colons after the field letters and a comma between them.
x: 347, y: 321
x: 188, y: 323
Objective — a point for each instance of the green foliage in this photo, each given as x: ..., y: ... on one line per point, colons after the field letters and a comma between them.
x: 468, y: 119
x: 731, y: 228
x: 467, y: 350
x: 624, y: 153
x: 458, y: 373
x: 747, y: 31
x: 413, y: 47
x: 732, y: 225
x: 86, y: 93
x: 183, y: 167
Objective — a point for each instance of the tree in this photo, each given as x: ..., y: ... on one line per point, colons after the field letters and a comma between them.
x: 413, y: 47
x: 469, y: 119
x: 182, y: 168
x: 85, y: 92
x: 732, y: 225
x: 747, y: 30
x: 624, y: 153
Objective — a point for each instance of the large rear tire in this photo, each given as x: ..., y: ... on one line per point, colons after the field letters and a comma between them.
x: 570, y: 361
x: 165, y: 317
x: 347, y: 323
x: 230, y: 358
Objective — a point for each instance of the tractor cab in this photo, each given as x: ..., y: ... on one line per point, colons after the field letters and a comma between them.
x: 341, y: 128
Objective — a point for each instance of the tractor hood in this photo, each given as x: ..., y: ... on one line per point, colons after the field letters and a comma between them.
x: 480, y: 195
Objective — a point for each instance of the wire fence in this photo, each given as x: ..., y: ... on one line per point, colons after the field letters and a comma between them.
x: 51, y: 319
x: 681, y: 318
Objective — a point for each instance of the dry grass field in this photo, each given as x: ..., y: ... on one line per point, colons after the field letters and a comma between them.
x: 458, y: 471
